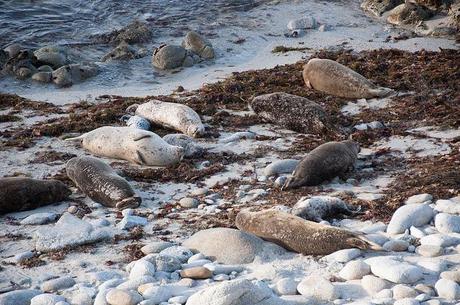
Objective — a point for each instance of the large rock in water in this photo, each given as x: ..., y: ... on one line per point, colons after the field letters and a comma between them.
x: 378, y: 7
x: 18, y: 297
x: 292, y: 112
x: 299, y: 235
x: 236, y: 292
x: 68, y: 75
x: 51, y: 55
x: 409, y: 13
x: 194, y: 42
x: 226, y: 246
x: 68, y: 231
x: 170, y: 57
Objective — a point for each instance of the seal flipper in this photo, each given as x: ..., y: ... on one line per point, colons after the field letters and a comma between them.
x: 144, y: 136
x: 360, y: 242
x: 140, y: 158
x: 79, y: 138
x: 381, y: 91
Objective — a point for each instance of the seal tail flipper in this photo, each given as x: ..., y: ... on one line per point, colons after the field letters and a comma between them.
x: 79, y: 138
x: 381, y: 91
x: 361, y: 242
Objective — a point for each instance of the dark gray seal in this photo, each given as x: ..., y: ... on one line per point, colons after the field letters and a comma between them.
x: 292, y: 112
x: 101, y: 183
x: 323, y: 163
x: 22, y: 193
x: 299, y: 235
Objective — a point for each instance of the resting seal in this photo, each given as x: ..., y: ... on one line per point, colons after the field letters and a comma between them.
x: 21, y: 193
x: 299, y: 235
x: 101, y: 183
x: 132, y: 144
x: 318, y: 208
x: 172, y: 115
x: 323, y: 163
x: 292, y: 112
x: 333, y: 78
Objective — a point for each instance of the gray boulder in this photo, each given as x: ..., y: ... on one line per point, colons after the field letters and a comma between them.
x: 51, y: 55
x: 226, y: 246
x: 170, y: 57
x: 68, y: 75
x: 122, y: 52
x: 197, y: 44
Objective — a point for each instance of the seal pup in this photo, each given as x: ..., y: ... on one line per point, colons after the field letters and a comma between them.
x: 317, y: 208
x: 333, y: 78
x: 172, y: 115
x: 22, y: 193
x: 292, y: 112
x: 299, y: 235
x: 135, y: 122
x: 325, y: 162
x: 135, y: 145
x: 101, y: 183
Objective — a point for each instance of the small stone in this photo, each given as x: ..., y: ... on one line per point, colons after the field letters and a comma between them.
x: 402, y: 291
x: 46, y: 299
x: 142, y: 268
x: 286, y: 286
x: 130, y: 221
x: 447, y: 289
x: 343, y: 256
x: 410, y: 215
x: 318, y: 288
x: 384, y: 294
x: 156, y: 247
x: 181, y: 299
x: 196, y: 273
x: 188, y: 202
x: 226, y: 269
x: 123, y: 297
x: 42, y: 77
x: 396, y: 245
x: 167, y: 263
x: 447, y: 206
x: 416, y: 232
x: 196, y: 257
x: 136, y: 282
x: 394, y: 271
x: 197, y: 263
x: 199, y: 191
x: 446, y: 223
x: 354, y: 270
x: 57, y: 284
x: 429, y: 250
x: 18, y: 297
x: 420, y: 198
x: 373, y: 284
x: 406, y: 301
x: 425, y: 289
x: 180, y: 252
x: 221, y: 277
x: 451, y: 275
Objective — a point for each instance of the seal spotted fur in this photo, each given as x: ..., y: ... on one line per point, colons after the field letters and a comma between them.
x: 323, y: 163
x: 22, y: 193
x: 333, y: 78
x: 299, y: 235
x: 101, y: 183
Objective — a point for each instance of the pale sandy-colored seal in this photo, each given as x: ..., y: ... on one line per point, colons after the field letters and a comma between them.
x: 132, y: 144
x: 101, y: 183
x: 333, y: 78
x: 22, y: 193
x: 317, y: 208
x: 325, y: 162
x: 292, y: 112
x: 299, y: 235
x: 172, y: 115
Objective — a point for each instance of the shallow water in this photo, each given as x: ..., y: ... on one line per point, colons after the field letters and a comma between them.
x: 34, y: 23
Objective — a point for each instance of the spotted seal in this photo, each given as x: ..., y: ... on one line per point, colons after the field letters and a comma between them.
x: 333, y: 78
x: 317, y: 208
x: 22, y: 193
x: 299, y: 235
x: 101, y: 183
x: 325, y: 162
x: 132, y: 144
x: 172, y: 115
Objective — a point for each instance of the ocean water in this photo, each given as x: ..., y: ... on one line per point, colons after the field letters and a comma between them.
x: 33, y: 23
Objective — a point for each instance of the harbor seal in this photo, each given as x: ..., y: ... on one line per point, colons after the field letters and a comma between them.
x: 22, y: 193
x: 191, y: 148
x: 292, y: 112
x: 101, y: 183
x: 317, y: 208
x: 333, y: 78
x: 135, y: 145
x: 172, y: 115
x: 325, y: 162
x: 299, y: 235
